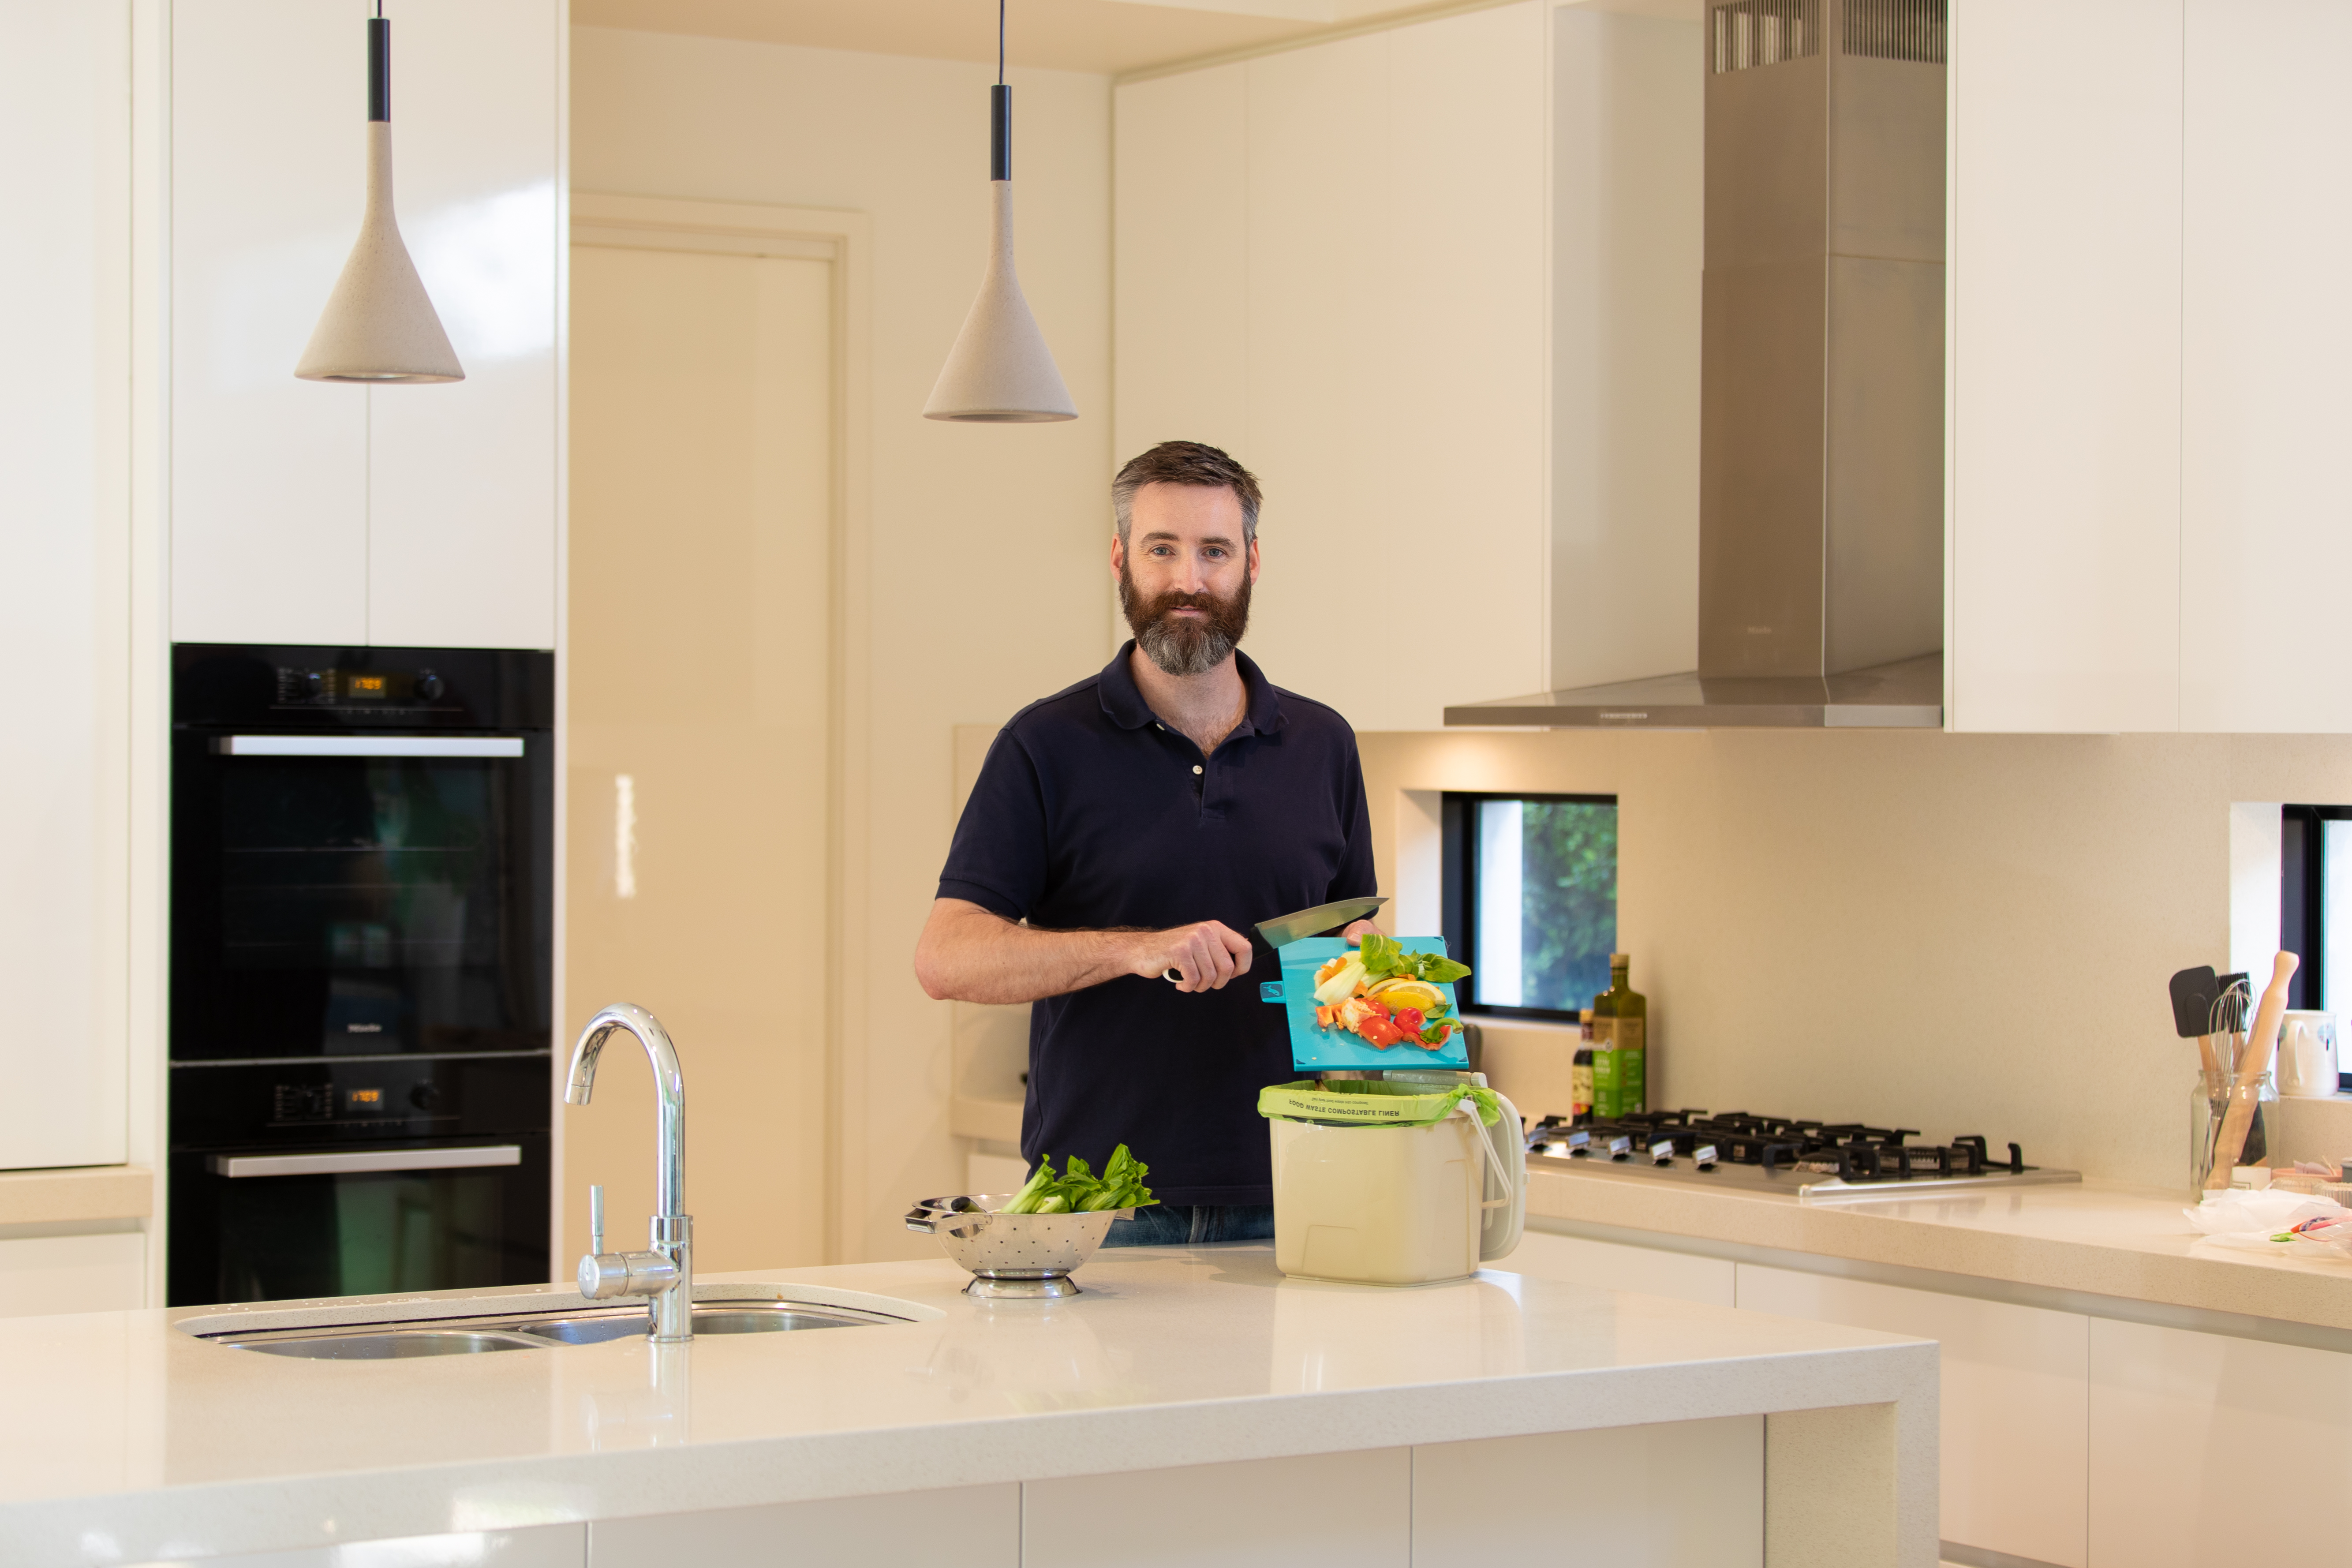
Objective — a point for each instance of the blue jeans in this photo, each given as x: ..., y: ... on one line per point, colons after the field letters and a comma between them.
x: 1191, y: 1225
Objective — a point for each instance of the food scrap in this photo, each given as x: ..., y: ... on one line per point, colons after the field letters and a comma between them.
x: 1387, y: 995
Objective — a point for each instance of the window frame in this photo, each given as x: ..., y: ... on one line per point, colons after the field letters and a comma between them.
x: 2302, y: 910
x: 1458, y: 881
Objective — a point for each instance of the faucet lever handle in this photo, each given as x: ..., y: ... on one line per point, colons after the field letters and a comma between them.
x: 595, y: 1219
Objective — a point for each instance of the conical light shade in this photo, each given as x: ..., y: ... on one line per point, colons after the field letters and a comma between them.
x: 379, y: 325
x: 999, y: 371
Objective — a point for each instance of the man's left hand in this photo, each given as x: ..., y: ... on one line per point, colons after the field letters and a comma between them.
x: 1355, y: 932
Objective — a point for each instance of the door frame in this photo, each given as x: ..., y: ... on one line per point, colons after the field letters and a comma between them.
x: 844, y: 239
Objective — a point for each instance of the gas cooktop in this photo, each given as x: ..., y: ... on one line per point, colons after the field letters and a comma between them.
x: 1814, y: 1162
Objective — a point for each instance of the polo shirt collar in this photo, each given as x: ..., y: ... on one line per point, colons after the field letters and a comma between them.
x: 1123, y: 701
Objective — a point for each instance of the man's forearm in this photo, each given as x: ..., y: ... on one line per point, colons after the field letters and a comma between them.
x: 968, y: 954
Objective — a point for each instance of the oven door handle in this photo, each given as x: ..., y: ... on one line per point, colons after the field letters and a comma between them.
x: 370, y: 746
x: 358, y: 1162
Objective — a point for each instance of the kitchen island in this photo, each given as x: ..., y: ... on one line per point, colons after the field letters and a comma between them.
x: 1192, y: 1405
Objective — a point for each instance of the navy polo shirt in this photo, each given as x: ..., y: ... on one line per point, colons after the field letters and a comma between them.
x: 1091, y: 814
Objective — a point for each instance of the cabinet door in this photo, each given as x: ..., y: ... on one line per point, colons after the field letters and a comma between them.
x: 310, y: 513
x: 1260, y: 1513
x: 2206, y: 1449
x: 64, y: 537
x: 462, y: 478
x: 2013, y: 1420
x: 2064, y: 393
x: 268, y: 474
x: 44, y: 1274
x: 2266, y: 329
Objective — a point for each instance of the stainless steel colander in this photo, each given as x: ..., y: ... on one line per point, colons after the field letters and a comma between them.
x: 1012, y: 1255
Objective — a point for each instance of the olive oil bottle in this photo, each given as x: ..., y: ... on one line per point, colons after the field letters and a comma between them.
x: 1620, y: 1031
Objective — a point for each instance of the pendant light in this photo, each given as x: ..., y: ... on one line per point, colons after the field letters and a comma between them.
x: 999, y: 371
x: 378, y: 324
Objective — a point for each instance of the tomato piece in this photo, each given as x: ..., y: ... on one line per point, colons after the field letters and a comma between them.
x: 1408, y: 1020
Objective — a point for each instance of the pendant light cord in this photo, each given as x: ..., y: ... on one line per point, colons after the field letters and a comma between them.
x: 1000, y: 112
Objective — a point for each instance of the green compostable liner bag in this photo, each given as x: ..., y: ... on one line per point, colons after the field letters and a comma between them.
x: 1370, y: 1102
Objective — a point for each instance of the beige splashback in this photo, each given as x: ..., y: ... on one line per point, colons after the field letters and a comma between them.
x: 1963, y: 932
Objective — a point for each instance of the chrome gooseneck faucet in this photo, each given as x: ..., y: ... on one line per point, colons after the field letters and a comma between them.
x: 666, y: 1273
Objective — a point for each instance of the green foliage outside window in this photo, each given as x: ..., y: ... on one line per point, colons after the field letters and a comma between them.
x: 1569, y: 893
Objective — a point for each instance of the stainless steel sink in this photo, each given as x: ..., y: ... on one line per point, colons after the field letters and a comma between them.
x: 709, y: 1317
x: 535, y: 1331
x: 380, y: 1344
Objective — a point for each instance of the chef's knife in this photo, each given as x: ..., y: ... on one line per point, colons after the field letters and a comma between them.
x: 1283, y: 929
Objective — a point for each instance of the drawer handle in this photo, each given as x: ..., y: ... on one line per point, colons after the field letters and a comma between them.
x: 360, y: 1161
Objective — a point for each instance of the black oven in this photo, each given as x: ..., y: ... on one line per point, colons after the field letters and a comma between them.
x: 362, y: 941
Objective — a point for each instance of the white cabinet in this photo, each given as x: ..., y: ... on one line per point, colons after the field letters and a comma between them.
x: 2266, y: 331
x: 305, y: 512
x: 2063, y: 571
x: 2206, y: 1449
x: 1331, y: 262
x: 101, y: 1273
x: 2146, y: 336
x: 63, y: 556
x: 2013, y: 1422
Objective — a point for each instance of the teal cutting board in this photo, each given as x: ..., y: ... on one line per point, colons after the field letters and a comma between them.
x: 1314, y: 1049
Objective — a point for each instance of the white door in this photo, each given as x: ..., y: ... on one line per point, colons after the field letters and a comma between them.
x: 703, y: 415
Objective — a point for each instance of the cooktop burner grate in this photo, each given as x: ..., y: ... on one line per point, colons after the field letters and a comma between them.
x: 1816, y: 1160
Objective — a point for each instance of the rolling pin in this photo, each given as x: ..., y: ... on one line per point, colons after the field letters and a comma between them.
x: 2254, y: 1061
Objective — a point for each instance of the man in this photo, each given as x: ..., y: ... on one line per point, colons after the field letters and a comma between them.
x: 1143, y: 821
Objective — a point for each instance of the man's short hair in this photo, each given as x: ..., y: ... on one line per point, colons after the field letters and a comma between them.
x: 1184, y: 463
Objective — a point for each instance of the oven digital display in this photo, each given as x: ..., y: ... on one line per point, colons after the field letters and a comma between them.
x: 363, y: 686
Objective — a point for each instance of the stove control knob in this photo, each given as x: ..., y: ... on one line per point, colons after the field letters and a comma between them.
x: 1705, y: 1155
x: 429, y: 685
x: 1662, y: 1152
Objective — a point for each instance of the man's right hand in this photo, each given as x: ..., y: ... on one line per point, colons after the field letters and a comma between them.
x: 1205, y: 954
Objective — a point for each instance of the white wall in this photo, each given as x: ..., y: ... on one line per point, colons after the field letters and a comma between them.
x: 987, y: 543
x: 1975, y: 929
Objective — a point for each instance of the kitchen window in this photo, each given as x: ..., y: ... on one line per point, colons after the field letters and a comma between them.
x: 2315, y: 904
x: 1530, y: 899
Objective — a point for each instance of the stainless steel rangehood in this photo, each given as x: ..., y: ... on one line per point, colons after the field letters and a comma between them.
x: 1821, y: 591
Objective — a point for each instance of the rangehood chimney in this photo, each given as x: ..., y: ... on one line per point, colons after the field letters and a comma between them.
x: 1821, y: 591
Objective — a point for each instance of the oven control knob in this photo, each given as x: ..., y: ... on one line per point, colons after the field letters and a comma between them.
x: 310, y: 683
x: 429, y: 685
x: 424, y: 1097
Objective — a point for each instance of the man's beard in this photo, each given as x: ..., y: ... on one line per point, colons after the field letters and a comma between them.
x: 1181, y: 645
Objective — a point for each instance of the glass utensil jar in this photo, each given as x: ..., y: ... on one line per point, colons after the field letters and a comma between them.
x: 2218, y: 1106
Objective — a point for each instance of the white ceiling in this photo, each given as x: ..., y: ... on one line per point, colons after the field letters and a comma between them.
x: 1109, y: 35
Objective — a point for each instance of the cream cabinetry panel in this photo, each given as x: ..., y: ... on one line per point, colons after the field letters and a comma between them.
x: 2065, y: 572
x: 462, y: 478
x: 2209, y: 1449
x: 64, y: 541
x: 2266, y: 329
x: 1316, y: 1510
x: 970, y: 1527
x: 1332, y: 260
x: 1680, y: 1494
x: 1610, y: 1265
x: 101, y: 1273
x: 2014, y: 1421
x: 318, y: 513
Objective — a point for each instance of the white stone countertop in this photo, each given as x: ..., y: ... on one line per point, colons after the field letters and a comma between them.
x: 134, y: 1440
x: 2097, y: 1238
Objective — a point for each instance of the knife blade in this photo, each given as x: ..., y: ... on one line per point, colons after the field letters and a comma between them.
x: 1289, y: 928
x: 1321, y: 918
